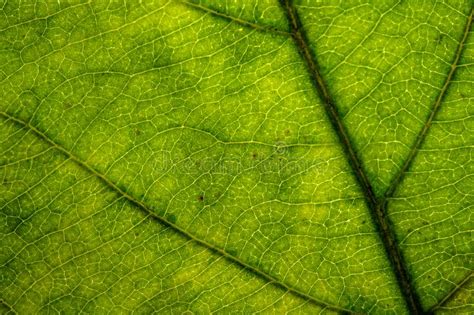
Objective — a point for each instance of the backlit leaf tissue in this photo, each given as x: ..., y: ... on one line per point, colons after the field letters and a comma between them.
x: 248, y: 156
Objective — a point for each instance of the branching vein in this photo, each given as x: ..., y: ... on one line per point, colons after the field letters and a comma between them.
x: 434, y: 110
x: 147, y: 211
x: 452, y: 293
x: 236, y: 19
x: 380, y: 219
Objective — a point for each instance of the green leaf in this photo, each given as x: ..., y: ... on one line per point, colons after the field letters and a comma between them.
x: 236, y: 156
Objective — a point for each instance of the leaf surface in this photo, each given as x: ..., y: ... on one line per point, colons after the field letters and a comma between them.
x: 257, y: 156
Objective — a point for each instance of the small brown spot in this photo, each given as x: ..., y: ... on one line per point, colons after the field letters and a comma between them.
x: 287, y: 132
x: 201, y: 197
x: 254, y: 155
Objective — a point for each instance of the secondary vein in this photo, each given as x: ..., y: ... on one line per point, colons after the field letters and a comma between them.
x: 434, y: 111
x: 237, y: 20
x: 162, y: 220
x: 465, y: 281
x: 381, y: 221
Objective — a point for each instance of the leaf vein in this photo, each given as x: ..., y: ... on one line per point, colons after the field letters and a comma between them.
x: 434, y: 111
x: 381, y: 221
x: 159, y: 219
x: 237, y: 20
x: 453, y: 292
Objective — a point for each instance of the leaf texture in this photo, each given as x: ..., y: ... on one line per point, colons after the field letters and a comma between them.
x: 248, y: 156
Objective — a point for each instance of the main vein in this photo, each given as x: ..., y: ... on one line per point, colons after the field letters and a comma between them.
x: 382, y: 222
x: 149, y: 212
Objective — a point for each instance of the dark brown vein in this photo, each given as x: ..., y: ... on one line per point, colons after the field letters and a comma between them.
x: 381, y: 221
x: 147, y: 211
x: 452, y: 293
x: 434, y: 110
x: 237, y: 20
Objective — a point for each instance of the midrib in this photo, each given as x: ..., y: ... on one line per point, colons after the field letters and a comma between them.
x: 377, y: 206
